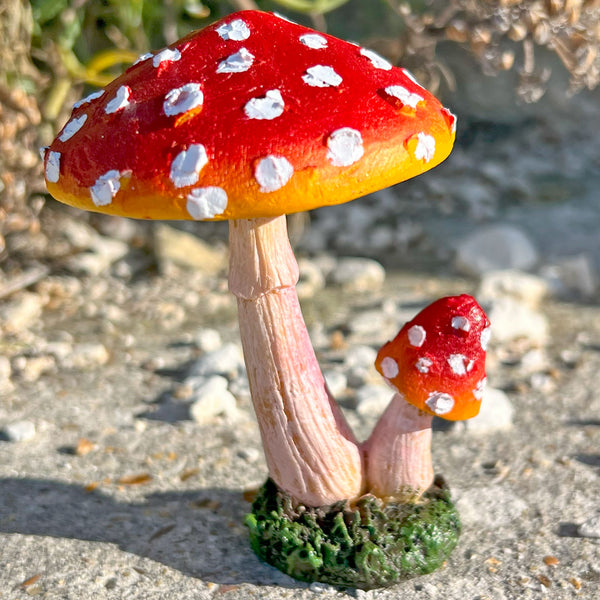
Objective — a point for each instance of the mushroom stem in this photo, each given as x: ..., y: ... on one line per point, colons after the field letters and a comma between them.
x: 310, y: 450
x: 398, y: 453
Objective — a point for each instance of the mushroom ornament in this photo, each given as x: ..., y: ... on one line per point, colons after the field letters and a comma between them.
x: 436, y: 365
x: 218, y: 126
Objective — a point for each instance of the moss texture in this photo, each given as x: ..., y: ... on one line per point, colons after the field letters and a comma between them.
x: 368, y: 545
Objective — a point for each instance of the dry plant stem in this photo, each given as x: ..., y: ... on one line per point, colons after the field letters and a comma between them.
x: 310, y: 450
x: 398, y: 453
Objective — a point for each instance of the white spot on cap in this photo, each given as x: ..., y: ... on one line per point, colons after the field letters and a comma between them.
x: 120, y: 101
x: 42, y: 150
x: 461, y: 323
x: 270, y: 106
x: 72, y: 127
x: 405, y: 96
x: 377, y: 61
x: 87, y: 99
x: 321, y: 76
x: 478, y: 391
x: 105, y: 188
x: 425, y: 147
x: 440, y: 403
x: 389, y: 367
x: 452, y: 118
x: 143, y: 57
x: 53, y: 167
x: 206, y: 203
x: 416, y: 336
x: 273, y: 172
x: 423, y: 364
x: 236, y: 63
x: 345, y: 147
x: 486, y: 334
x: 459, y: 364
x: 182, y: 99
x: 187, y: 165
x: 235, y: 30
x: 166, y: 55
x: 314, y: 41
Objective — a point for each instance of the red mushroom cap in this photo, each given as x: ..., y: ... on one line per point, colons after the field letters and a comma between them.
x: 253, y: 116
x: 437, y: 360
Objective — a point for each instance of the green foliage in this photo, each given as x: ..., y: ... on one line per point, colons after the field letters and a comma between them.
x: 318, y: 7
x: 369, y: 545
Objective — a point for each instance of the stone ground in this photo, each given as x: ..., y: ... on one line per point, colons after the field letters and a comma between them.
x: 124, y: 475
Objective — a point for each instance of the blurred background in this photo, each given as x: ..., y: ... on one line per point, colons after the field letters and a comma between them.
x: 522, y: 77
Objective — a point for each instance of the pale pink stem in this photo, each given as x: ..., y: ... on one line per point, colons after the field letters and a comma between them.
x: 310, y: 451
x: 398, y: 453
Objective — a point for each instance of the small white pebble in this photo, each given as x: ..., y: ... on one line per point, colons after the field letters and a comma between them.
x: 423, y: 364
x: 182, y: 99
x: 20, y: 431
x: 344, y: 147
x: 87, y: 99
x: 377, y: 61
x: 314, y: 41
x: 321, y: 76
x: 105, y: 188
x: 236, y: 63
x: 87, y: 356
x: 53, y: 167
x: 461, y: 323
x: 389, y: 367
x: 120, y: 101
x: 440, y: 403
x: 166, y: 55
x: 273, y: 172
x: 226, y: 360
x: 212, y: 400
x: 416, y: 336
x: 186, y: 166
x: 270, y: 106
x: 249, y: 454
x: 72, y: 127
x: 206, y: 203
x: 425, y: 149
x: 235, y: 30
x: 208, y: 340
x: 406, y: 97
x: 590, y: 528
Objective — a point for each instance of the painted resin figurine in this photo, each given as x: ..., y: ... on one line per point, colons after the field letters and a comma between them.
x: 219, y: 126
x: 404, y: 524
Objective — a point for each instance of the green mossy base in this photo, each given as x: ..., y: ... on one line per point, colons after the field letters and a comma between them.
x: 367, y: 546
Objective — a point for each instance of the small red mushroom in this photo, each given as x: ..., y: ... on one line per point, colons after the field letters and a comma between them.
x: 251, y: 119
x: 436, y: 364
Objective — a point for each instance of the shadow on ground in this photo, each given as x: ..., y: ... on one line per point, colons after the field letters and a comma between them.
x: 198, y: 533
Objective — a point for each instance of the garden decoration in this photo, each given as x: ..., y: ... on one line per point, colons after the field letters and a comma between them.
x: 248, y: 120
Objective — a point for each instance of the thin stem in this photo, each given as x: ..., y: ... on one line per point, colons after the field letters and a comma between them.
x: 398, y: 453
x: 310, y: 451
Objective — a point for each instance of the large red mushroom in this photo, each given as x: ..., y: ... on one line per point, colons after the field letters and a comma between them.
x: 248, y: 120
